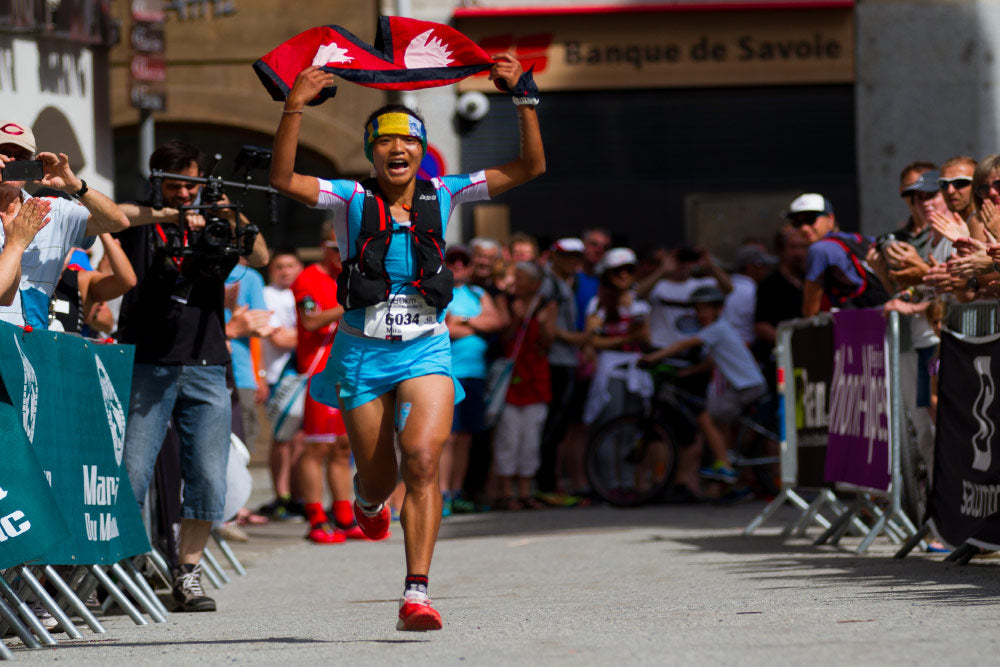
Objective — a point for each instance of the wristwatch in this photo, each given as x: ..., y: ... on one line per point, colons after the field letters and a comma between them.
x: 82, y: 191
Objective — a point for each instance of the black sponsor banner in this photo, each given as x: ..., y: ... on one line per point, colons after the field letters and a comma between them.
x: 812, y: 372
x: 965, y: 499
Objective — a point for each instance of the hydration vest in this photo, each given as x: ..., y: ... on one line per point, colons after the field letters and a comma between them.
x: 842, y: 292
x: 364, y: 280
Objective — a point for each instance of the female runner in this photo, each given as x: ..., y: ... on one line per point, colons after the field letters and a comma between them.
x: 390, y: 366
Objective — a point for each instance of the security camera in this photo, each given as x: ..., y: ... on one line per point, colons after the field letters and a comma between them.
x: 472, y: 106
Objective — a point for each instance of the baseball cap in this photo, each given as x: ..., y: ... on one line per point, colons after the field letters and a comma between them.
x: 12, y: 132
x: 568, y: 245
x: 810, y: 203
x: 615, y: 258
x: 751, y: 255
x: 926, y: 182
x: 707, y: 294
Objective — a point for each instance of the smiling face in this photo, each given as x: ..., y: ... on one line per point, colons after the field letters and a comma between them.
x: 181, y: 193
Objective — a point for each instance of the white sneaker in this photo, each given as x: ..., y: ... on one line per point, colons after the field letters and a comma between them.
x: 42, y: 614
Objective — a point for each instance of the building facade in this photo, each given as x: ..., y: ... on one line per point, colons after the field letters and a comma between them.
x: 53, y: 78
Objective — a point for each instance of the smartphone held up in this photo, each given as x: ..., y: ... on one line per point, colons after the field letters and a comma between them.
x: 22, y: 170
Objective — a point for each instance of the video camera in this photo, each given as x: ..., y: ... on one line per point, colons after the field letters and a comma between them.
x: 220, y: 238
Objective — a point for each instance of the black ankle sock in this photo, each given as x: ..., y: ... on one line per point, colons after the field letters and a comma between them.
x: 416, y: 582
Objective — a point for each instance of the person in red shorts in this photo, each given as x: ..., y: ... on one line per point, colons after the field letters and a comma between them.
x: 327, y: 448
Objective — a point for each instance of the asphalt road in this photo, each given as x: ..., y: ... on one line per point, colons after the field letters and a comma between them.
x: 668, y: 584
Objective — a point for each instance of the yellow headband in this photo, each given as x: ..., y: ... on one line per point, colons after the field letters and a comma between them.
x: 394, y: 122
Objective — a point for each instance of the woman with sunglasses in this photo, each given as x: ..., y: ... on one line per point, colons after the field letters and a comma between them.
x: 618, y: 330
x: 390, y: 367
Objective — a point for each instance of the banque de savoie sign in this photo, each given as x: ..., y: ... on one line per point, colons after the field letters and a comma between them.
x: 664, y: 49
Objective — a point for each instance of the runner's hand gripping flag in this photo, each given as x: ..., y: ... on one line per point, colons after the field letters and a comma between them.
x: 407, y: 55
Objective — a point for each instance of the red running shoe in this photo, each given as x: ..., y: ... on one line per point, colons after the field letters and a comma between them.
x: 323, y: 533
x: 417, y: 615
x: 374, y: 527
x: 353, y: 531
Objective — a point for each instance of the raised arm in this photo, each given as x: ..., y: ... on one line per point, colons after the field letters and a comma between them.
x: 305, y: 189
x: 102, y: 286
x: 105, y: 216
x: 531, y: 161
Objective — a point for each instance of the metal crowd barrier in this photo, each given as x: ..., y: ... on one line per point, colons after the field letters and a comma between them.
x: 977, y: 319
x: 893, y: 522
x: 32, y: 430
x: 123, y: 582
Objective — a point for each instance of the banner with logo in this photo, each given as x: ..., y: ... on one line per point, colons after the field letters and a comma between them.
x: 858, y: 449
x: 964, y: 502
x: 812, y: 370
x: 72, y: 398
x: 30, y: 521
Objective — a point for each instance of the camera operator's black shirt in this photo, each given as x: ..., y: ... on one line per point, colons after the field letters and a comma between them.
x: 164, y: 330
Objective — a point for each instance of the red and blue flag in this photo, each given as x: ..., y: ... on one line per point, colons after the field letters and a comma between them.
x: 407, y: 55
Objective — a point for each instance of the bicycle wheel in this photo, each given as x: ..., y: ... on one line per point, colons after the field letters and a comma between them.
x: 630, y: 460
x: 762, y: 454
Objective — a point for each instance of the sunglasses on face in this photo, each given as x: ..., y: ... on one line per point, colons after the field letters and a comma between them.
x: 458, y: 260
x: 959, y: 182
x: 983, y: 189
x: 923, y: 196
x: 17, y: 155
x: 803, y: 219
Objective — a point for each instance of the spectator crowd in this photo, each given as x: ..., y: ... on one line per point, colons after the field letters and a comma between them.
x: 548, y: 342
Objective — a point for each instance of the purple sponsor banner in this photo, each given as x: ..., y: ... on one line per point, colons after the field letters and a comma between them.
x: 858, y: 449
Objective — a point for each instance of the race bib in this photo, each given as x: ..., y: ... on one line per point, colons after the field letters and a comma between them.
x: 401, y: 317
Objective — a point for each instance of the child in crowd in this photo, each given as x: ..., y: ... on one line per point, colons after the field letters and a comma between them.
x: 526, y: 339
x: 745, y: 383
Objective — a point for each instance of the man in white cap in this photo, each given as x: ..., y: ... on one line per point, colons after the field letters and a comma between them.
x: 835, y: 265
x: 70, y: 220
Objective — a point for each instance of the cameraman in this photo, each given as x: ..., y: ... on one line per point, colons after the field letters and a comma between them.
x: 175, y: 319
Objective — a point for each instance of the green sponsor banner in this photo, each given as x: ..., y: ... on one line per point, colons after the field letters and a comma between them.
x: 72, y: 396
x: 30, y: 521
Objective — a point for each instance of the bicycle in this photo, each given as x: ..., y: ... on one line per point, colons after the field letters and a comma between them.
x: 631, y: 459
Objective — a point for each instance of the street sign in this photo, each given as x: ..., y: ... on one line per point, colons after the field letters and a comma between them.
x: 148, y: 67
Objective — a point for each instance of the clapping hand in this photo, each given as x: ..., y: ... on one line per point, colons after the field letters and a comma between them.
x: 989, y: 216
x: 951, y: 226
x: 22, y: 221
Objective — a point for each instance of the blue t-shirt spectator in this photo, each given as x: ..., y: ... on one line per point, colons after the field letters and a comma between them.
x: 586, y: 289
x: 251, y: 294
x: 826, y: 254
x: 468, y: 354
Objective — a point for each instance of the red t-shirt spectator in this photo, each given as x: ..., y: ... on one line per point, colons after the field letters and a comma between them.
x: 530, y: 381
x: 315, y: 290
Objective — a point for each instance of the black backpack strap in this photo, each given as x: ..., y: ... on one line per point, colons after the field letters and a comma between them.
x: 870, y: 292
x: 435, y: 281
